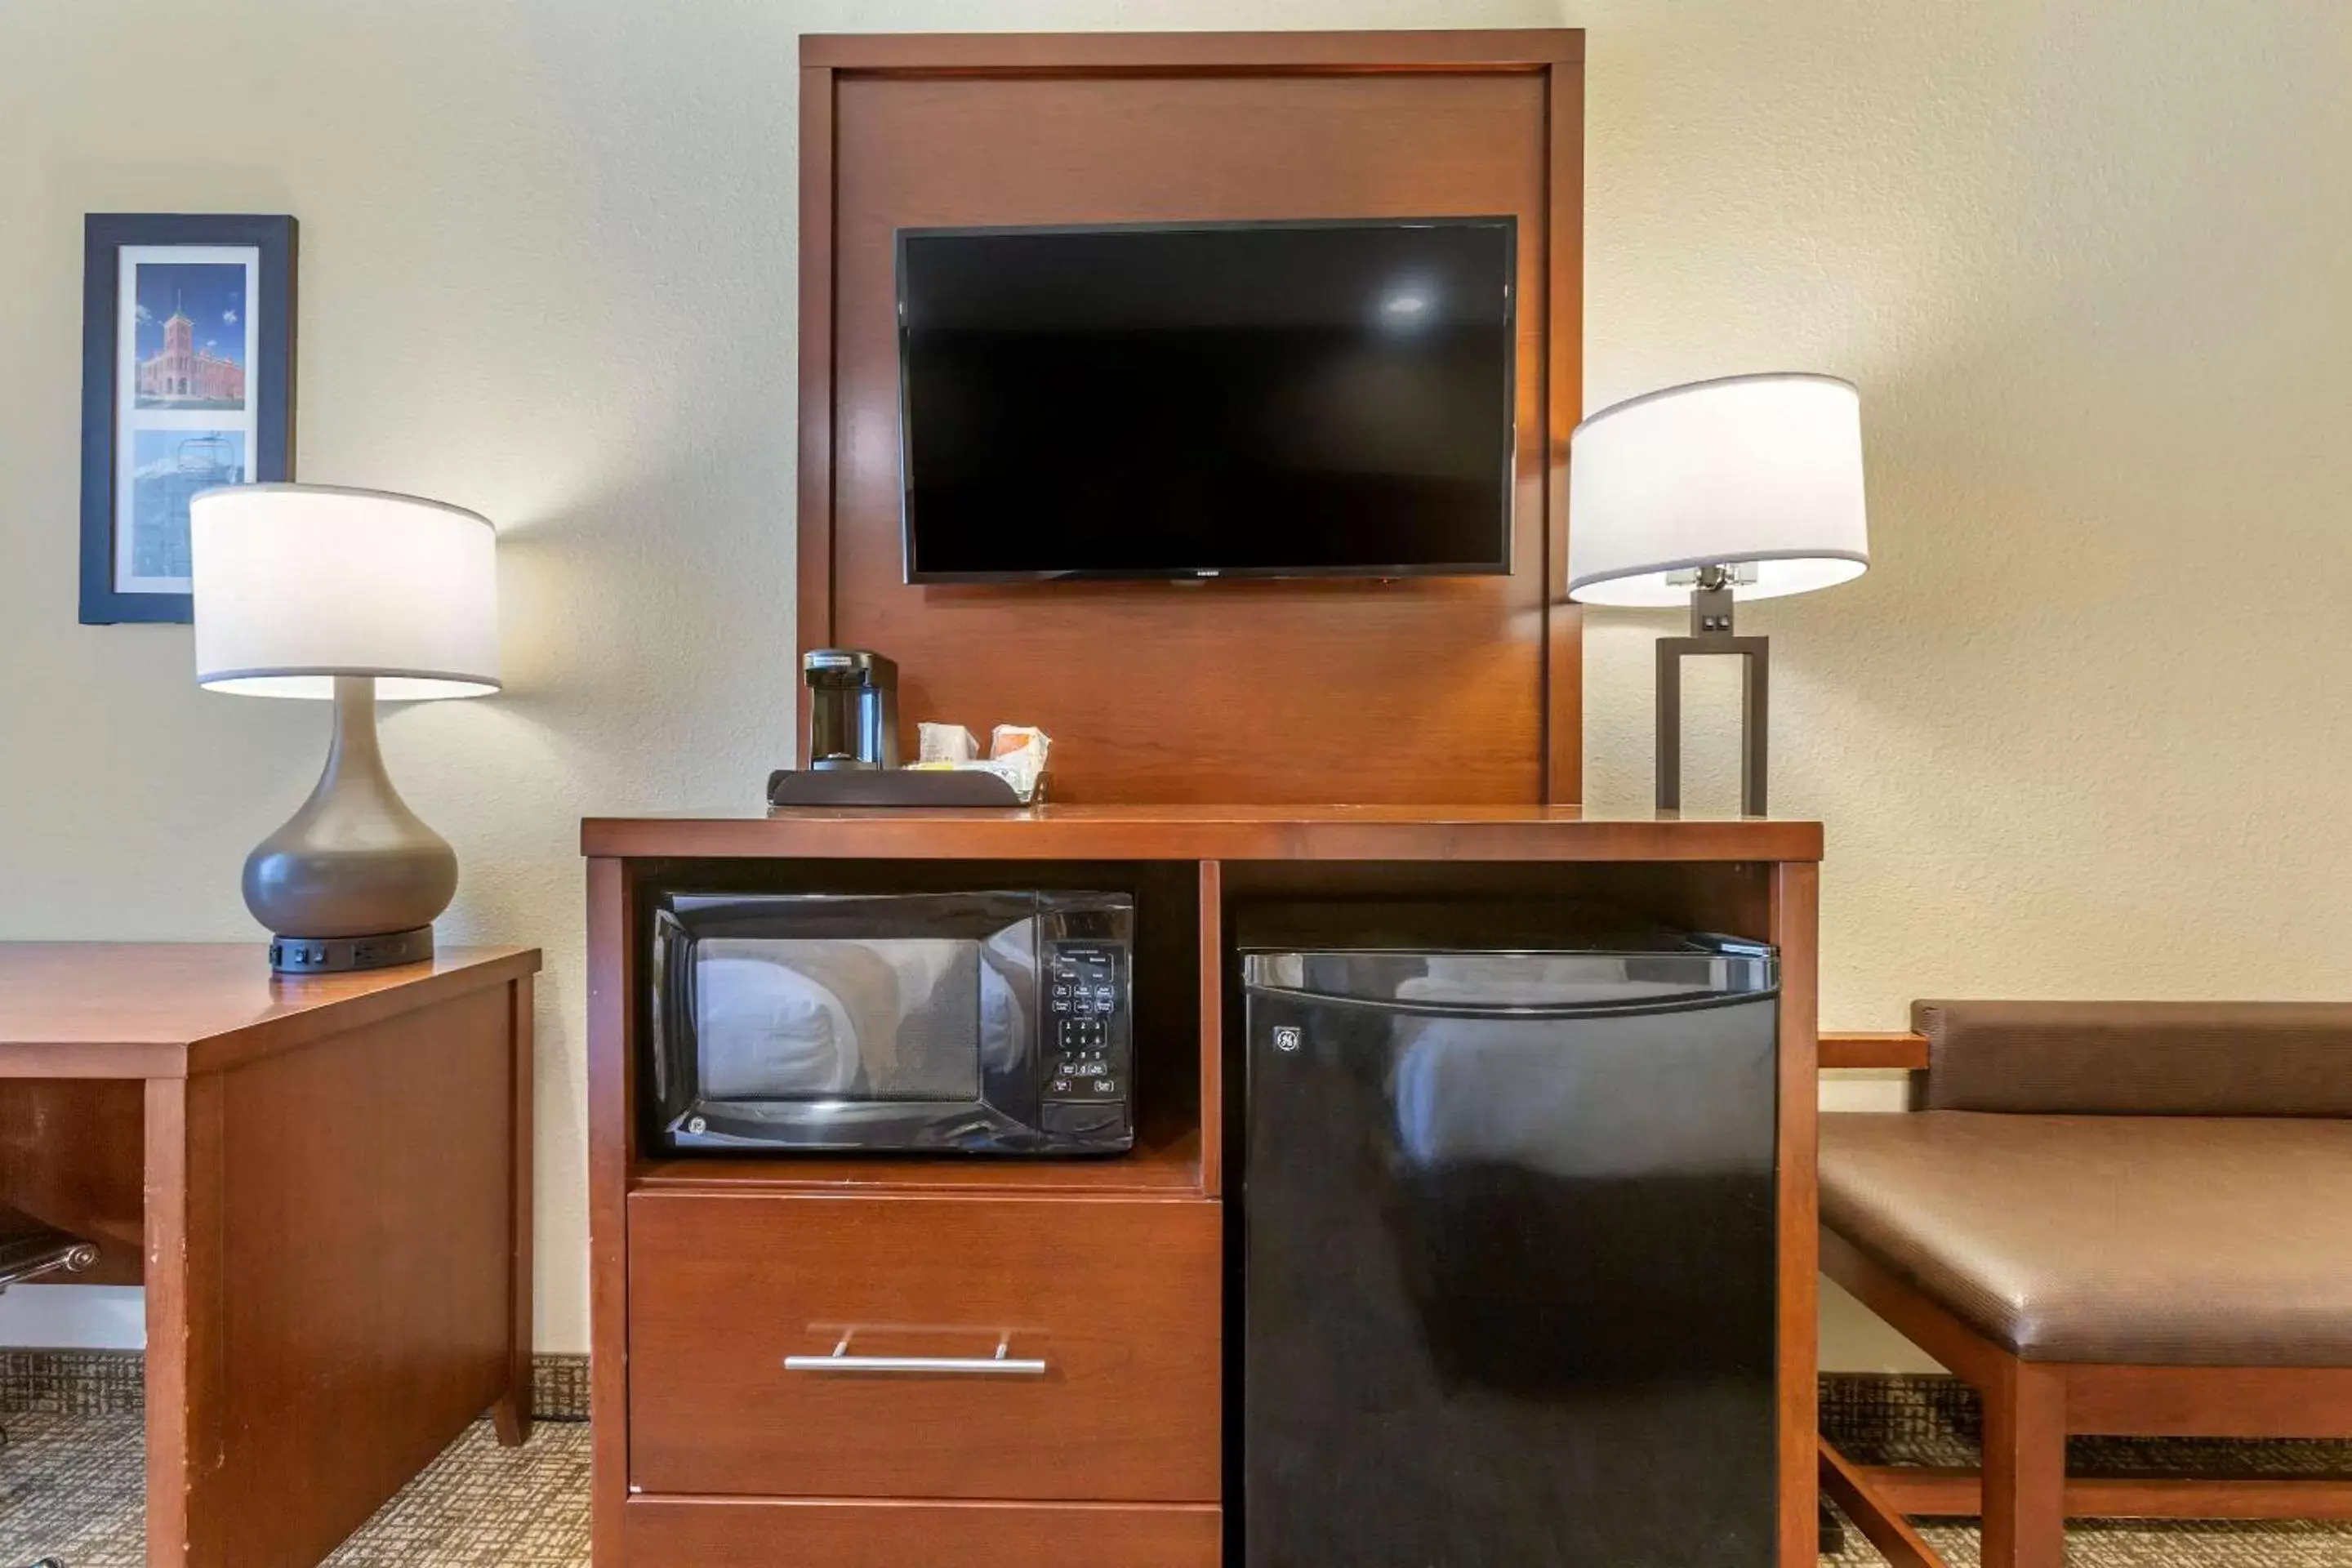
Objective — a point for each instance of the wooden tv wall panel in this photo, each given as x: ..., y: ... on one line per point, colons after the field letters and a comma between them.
x: 1461, y: 690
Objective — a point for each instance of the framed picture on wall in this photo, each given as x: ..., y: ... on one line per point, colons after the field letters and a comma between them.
x: 187, y: 382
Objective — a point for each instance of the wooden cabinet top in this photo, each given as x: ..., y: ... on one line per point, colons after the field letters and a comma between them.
x: 95, y: 1009
x: 1204, y: 832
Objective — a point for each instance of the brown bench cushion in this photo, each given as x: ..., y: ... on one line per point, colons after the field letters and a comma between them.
x: 2167, y: 1240
x: 2139, y: 1058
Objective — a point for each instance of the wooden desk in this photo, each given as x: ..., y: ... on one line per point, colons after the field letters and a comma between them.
x: 324, y: 1184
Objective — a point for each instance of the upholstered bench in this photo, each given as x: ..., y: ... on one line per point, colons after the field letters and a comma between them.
x: 2117, y: 1218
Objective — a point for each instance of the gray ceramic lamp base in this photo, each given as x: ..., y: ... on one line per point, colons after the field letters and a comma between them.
x: 355, y: 879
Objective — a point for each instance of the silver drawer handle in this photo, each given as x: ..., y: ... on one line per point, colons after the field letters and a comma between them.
x: 1003, y: 1364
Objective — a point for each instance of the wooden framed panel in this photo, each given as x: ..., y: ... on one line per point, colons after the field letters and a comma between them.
x: 1415, y: 692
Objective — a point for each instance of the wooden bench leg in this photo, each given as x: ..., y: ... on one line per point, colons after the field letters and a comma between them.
x: 1885, y: 1528
x: 2025, y: 1467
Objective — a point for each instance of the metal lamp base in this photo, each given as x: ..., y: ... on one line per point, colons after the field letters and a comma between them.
x: 1712, y: 632
x: 342, y: 954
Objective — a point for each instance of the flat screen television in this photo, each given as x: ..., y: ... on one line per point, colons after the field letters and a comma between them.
x: 1241, y: 399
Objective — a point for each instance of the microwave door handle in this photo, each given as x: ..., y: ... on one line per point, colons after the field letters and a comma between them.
x: 1003, y: 1364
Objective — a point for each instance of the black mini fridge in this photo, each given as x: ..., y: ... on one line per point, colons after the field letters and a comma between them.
x: 1507, y: 1272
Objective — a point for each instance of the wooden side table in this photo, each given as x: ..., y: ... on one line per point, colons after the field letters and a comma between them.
x: 324, y: 1184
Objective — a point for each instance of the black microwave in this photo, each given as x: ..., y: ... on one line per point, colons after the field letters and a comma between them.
x: 995, y: 1023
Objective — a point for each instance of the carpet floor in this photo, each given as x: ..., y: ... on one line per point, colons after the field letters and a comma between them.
x: 70, y: 1487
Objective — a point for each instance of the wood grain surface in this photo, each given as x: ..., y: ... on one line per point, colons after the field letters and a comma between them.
x: 1500, y: 833
x: 1120, y: 1298
x: 612, y: 1148
x: 70, y: 1152
x: 1878, y: 1515
x: 1893, y: 1049
x: 1165, y: 1162
x: 162, y: 1009
x: 1795, y: 932
x: 1936, y: 1492
x: 944, y: 54
x: 839, y: 1532
x: 331, y: 1221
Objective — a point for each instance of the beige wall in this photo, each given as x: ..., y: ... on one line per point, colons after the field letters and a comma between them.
x: 2090, y: 264
x: 2077, y: 733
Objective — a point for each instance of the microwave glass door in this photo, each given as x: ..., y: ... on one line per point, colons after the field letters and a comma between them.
x: 896, y: 1018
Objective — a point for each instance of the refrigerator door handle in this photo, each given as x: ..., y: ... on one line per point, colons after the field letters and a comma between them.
x: 1537, y: 1012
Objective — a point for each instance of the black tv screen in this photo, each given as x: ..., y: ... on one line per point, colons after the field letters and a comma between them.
x: 1270, y: 399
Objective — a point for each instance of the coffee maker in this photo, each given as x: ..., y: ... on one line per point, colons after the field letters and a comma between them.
x: 852, y: 709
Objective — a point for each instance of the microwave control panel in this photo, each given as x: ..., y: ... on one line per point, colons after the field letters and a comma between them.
x: 1088, y: 1059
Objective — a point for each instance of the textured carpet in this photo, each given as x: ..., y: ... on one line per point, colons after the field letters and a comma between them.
x: 69, y: 1486
x: 2150, y: 1544
x: 72, y: 1480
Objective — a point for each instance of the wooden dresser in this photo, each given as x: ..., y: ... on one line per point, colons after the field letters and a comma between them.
x: 708, y: 1273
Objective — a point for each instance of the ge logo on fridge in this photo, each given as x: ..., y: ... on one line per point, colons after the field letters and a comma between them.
x: 1287, y: 1039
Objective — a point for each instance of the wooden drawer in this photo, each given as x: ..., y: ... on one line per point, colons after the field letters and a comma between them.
x: 681, y: 1533
x: 1119, y: 1300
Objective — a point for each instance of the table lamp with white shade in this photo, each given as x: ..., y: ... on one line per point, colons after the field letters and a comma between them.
x: 317, y: 591
x: 1749, y: 487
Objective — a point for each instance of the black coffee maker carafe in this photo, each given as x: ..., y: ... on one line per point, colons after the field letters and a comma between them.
x: 852, y: 709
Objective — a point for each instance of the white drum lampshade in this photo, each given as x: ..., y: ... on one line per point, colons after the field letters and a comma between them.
x: 1762, y: 473
x: 296, y: 585
x: 316, y: 591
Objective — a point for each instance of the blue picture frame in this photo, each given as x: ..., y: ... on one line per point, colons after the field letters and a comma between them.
x: 223, y: 413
